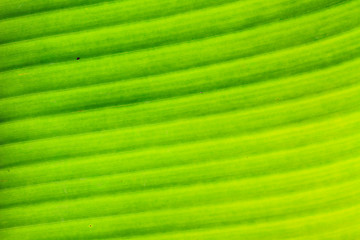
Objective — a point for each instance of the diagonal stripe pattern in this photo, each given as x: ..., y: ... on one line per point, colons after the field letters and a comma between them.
x: 162, y: 119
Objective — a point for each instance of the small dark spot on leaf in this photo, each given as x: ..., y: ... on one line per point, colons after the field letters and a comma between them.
x: 77, y: 58
x: 90, y: 225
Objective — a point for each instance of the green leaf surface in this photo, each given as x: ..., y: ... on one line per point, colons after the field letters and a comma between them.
x: 169, y: 119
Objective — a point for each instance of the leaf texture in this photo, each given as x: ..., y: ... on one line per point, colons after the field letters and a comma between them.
x: 193, y: 119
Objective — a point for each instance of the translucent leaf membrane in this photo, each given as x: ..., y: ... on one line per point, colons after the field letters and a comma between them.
x: 161, y: 119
